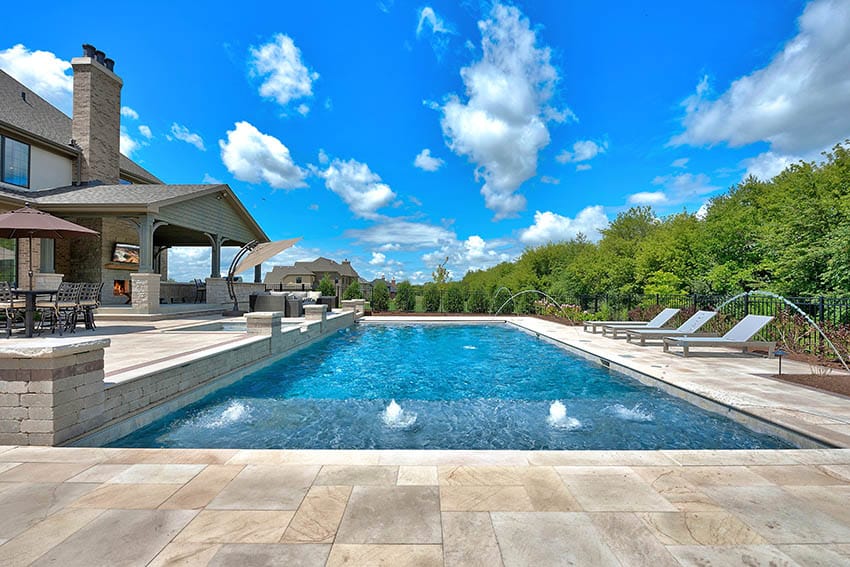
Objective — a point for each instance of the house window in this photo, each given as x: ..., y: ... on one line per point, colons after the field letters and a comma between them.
x: 8, y: 263
x: 298, y: 279
x: 14, y: 162
x: 46, y: 265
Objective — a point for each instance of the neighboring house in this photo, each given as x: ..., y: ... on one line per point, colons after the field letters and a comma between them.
x: 391, y: 285
x: 72, y: 167
x: 307, y: 275
x: 365, y: 288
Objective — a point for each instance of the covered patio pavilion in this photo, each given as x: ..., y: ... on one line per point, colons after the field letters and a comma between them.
x: 152, y: 217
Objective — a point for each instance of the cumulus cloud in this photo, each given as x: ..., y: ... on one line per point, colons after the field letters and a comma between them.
x: 583, y: 167
x: 798, y: 102
x: 648, y: 198
x: 184, y: 134
x: 128, y: 112
x: 145, y: 131
x: 675, y: 189
x: 397, y: 234
x: 303, y: 109
x: 503, y: 123
x: 435, y: 29
x: 767, y: 165
x: 127, y: 144
x: 285, y: 77
x: 378, y: 258
x: 426, y: 162
x: 583, y: 150
x: 357, y: 185
x: 680, y: 163
x: 550, y: 180
x: 42, y: 72
x: 255, y: 157
x: 474, y: 253
x: 552, y: 227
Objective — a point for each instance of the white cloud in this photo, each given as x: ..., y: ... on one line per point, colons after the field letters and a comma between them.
x: 583, y: 167
x: 767, y: 165
x: 583, y: 150
x: 303, y: 109
x: 648, y: 198
x: 378, y: 258
x: 435, y: 29
x: 798, y: 102
x: 474, y: 253
x: 395, y: 234
x: 680, y: 163
x: 255, y: 157
x: 183, y: 133
x: 188, y: 262
x: 357, y: 185
x: 210, y: 179
x: 286, y: 78
x: 550, y: 180
x: 128, y: 112
x: 41, y: 71
x: 426, y: 162
x: 145, y: 131
x: 552, y: 227
x: 127, y: 144
x: 502, y: 126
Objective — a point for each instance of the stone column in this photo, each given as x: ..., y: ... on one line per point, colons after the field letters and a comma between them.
x: 145, y: 292
x: 51, y: 390
x: 146, y: 228
x: 215, y: 255
x: 316, y: 312
x: 47, y: 281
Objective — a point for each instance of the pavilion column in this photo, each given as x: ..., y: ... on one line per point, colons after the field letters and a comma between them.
x: 215, y: 257
x: 146, y: 228
x: 146, y: 283
x: 258, y: 273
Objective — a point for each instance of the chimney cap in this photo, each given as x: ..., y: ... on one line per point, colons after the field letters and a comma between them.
x: 100, y: 56
x: 110, y: 64
x: 89, y: 50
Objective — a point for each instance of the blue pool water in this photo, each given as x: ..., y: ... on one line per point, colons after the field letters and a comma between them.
x: 455, y: 387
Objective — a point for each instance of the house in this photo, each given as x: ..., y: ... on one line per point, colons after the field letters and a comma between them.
x: 392, y: 287
x: 307, y: 275
x: 73, y: 168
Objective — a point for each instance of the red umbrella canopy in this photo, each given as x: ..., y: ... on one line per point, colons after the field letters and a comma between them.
x: 29, y: 222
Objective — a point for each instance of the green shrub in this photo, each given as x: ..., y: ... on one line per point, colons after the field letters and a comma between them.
x: 353, y: 291
x: 478, y: 301
x: 380, y: 297
x: 453, y: 301
x: 432, y: 298
x: 326, y: 286
x: 404, y: 297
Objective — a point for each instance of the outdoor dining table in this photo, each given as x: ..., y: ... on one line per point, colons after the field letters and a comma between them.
x: 29, y: 316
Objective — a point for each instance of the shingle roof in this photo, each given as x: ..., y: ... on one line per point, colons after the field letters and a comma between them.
x: 36, y: 116
x: 115, y: 194
x: 322, y: 264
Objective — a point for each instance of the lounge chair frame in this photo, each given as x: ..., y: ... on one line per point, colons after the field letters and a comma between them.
x: 746, y: 327
x: 689, y: 328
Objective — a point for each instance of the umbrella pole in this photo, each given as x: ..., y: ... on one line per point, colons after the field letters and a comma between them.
x: 30, y: 264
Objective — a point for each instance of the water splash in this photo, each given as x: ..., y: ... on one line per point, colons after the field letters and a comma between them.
x: 470, y: 347
x: 558, y: 417
x: 234, y: 412
x: 637, y: 413
x: 797, y: 309
x: 396, y: 417
x: 537, y: 291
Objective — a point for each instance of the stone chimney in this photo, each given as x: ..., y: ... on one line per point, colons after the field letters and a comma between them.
x: 96, y: 124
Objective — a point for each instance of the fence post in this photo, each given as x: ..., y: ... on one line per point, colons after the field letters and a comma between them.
x: 746, y: 304
x: 820, y: 309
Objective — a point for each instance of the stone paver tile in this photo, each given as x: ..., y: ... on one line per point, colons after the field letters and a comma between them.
x: 127, y: 496
x: 485, y: 499
x: 90, y: 455
x: 361, y: 475
x: 267, y: 555
x: 480, y: 475
x: 668, y: 482
x: 23, y: 505
x: 265, y: 487
x: 99, y: 473
x: 815, y: 456
x: 200, y: 491
x: 417, y: 476
x: 790, y: 475
x: 386, y: 555
x: 453, y: 457
x: 6, y: 466
x: 701, y: 476
x: 779, y: 517
x: 547, y: 491
x: 624, y: 491
x: 732, y: 457
x: 839, y: 472
x: 700, y: 528
x: 550, y: 538
x: 817, y: 555
x: 630, y: 540
x: 157, y: 474
x: 600, y: 458
x: 39, y: 539
x: 185, y: 554
x: 397, y: 514
x: 304, y: 457
x: 119, y: 537
x: 43, y: 472
x: 318, y: 517
x: 236, y: 526
x: 171, y: 456
x: 833, y: 500
x: 469, y: 540
x: 744, y: 555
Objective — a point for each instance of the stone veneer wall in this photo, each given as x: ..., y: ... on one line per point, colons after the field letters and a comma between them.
x: 217, y: 292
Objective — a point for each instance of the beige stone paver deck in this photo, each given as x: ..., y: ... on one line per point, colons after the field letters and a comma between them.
x: 227, y: 509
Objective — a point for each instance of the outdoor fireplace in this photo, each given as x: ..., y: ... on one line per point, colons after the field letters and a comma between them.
x: 121, y: 287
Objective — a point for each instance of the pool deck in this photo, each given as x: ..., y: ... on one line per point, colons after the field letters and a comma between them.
x: 92, y: 506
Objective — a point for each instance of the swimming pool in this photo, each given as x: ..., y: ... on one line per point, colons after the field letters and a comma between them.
x: 427, y: 386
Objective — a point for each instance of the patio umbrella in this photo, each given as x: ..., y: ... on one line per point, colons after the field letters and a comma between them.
x: 31, y: 223
x: 252, y: 254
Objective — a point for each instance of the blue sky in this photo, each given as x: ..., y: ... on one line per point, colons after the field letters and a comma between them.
x: 396, y: 134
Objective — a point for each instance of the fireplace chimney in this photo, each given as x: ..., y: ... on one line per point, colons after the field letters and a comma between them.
x: 96, y: 123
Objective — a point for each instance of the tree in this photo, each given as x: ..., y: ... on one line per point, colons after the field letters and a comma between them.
x: 326, y: 286
x: 478, y: 301
x: 353, y: 291
x: 432, y: 298
x: 441, y: 274
x: 405, y: 299
x: 453, y: 302
x: 380, y: 296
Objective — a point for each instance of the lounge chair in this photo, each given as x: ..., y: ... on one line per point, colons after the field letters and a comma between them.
x: 655, y: 322
x: 658, y: 322
x: 688, y: 328
x: 738, y: 337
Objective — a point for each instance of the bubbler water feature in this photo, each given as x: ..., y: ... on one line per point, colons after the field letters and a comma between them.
x: 517, y: 294
x: 796, y: 308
